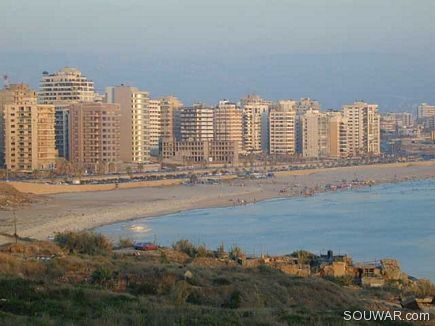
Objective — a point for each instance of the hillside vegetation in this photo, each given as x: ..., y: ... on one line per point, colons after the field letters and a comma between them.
x: 81, y: 281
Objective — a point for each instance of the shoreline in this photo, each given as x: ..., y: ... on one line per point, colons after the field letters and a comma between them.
x: 88, y: 210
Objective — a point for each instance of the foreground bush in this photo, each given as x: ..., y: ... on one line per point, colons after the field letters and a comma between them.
x: 84, y: 242
x: 185, y: 246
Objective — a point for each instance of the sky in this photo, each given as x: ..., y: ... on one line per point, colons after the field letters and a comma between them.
x: 335, y: 51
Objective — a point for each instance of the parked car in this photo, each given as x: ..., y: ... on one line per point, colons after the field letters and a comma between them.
x: 145, y: 246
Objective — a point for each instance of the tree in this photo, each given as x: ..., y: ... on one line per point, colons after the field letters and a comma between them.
x: 140, y: 167
x: 193, y: 178
x: 101, y: 168
x: 129, y: 171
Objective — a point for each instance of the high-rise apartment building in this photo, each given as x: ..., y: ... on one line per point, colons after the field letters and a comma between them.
x: 66, y: 86
x: 282, y: 128
x: 170, y: 117
x: 62, y: 88
x: 363, y: 128
x: 425, y: 110
x: 95, y: 136
x: 154, y: 126
x: 303, y: 105
x: 394, y: 122
x: 337, y: 135
x: 198, y: 144
x: 134, y: 123
x: 307, y: 104
x: 388, y: 124
x: 315, y: 141
x: 255, y: 124
x: 197, y: 123
x: 29, y: 138
x: 228, y: 123
x: 10, y: 95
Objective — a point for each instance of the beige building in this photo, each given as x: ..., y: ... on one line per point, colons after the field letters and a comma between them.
x: 134, y: 122
x: 388, y: 123
x: 282, y: 128
x: 154, y: 125
x: 337, y: 135
x: 315, y: 140
x: 424, y: 111
x: 303, y: 105
x: 95, y: 136
x: 255, y: 124
x: 228, y: 123
x: 306, y: 104
x: 192, y: 152
x: 196, y: 123
x: 170, y: 117
x: 324, y: 134
x: 197, y: 144
x: 393, y: 122
x: 9, y: 95
x: 363, y: 128
x: 29, y: 137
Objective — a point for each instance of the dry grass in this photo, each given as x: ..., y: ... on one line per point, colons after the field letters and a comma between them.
x: 122, y: 289
x: 37, y: 248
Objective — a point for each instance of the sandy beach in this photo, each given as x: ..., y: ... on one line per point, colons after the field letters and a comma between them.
x: 60, y: 208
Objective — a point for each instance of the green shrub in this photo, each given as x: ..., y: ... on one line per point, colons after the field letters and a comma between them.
x: 266, y: 269
x: 163, y: 258
x: 342, y: 280
x: 84, y: 242
x: 144, y: 288
x: 236, y: 252
x: 303, y: 256
x: 101, y: 276
x: 201, y: 251
x: 185, y: 246
x: 219, y: 281
x: 125, y: 243
x: 194, y: 298
x: 234, y: 300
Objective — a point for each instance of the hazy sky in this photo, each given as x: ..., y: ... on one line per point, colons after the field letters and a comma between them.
x: 204, y: 50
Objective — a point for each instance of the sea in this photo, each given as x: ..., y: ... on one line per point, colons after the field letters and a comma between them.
x: 383, y: 221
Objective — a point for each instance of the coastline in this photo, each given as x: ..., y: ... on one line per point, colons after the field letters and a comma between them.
x: 89, y: 209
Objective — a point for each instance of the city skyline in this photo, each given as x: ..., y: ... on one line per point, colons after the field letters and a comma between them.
x: 101, y: 89
x: 333, y: 51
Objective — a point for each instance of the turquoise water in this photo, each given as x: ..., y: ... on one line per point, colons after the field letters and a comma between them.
x: 391, y: 220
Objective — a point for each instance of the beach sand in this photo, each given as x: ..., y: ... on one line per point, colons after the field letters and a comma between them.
x: 85, y: 207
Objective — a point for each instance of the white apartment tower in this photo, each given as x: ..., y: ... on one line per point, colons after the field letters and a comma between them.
x: 255, y: 124
x: 363, y: 128
x: 197, y: 123
x: 154, y: 126
x: 63, y: 88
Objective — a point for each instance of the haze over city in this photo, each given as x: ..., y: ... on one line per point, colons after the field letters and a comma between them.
x: 193, y: 162
x: 334, y: 51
